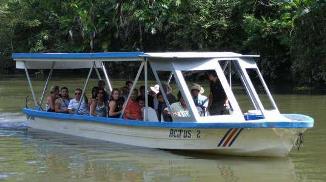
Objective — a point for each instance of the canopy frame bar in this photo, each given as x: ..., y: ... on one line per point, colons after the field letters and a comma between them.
x: 98, y: 74
x: 161, y: 89
x: 146, y: 92
x: 132, y: 87
x: 30, y: 84
x: 46, y: 85
x: 85, y: 86
x: 106, y: 76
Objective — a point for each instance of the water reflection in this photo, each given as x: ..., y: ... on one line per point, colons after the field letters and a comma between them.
x: 61, y: 157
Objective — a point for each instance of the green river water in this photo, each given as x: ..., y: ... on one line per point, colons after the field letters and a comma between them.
x: 44, y: 156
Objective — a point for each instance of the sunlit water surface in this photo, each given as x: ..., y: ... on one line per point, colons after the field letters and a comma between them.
x: 27, y: 155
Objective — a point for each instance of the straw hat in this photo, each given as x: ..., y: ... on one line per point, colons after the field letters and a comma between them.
x: 196, y: 86
x: 155, y: 88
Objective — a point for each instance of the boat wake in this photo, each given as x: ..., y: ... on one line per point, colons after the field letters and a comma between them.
x: 13, y: 121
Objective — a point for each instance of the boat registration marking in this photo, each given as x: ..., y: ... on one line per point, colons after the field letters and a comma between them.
x: 184, y: 134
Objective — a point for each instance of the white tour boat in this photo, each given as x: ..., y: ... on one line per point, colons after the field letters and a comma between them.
x: 252, y: 126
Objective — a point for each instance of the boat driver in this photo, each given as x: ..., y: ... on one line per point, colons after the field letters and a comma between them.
x: 217, y: 98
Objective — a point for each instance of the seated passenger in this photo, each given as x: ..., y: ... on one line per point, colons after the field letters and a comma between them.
x: 115, y: 104
x: 98, y: 107
x: 162, y: 114
x: 133, y: 110
x: 152, y: 96
x: 200, y: 100
x: 179, y: 109
x: 50, y: 100
x: 168, y: 91
x: 151, y: 115
x: 61, y: 103
x: 73, y: 104
x: 128, y: 85
x: 141, y: 102
x: 93, y: 96
x: 101, y: 85
x: 142, y: 91
x: 124, y: 92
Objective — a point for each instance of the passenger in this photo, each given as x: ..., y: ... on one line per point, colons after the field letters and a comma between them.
x: 50, y: 100
x: 180, y: 109
x: 61, y: 103
x: 142, y: 91
x: 152, y: 96
x: 101, y: 85
x: 115, y: 104
x: 168, y: 91
x: 162, y: 114
x: 128, y: 85
x: 124, y: 92
x: 133, y: 109
x: 200, y: 100
x: 94, y: 95
x: 73, y: 104
x: 141, y: 102
x: 98, y: 107
x: 217, y: 97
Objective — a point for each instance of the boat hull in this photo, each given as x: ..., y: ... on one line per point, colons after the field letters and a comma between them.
x: 231, y: 141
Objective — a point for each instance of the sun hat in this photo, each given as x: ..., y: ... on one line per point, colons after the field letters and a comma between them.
x: 196, y: 86
x: 155, y: 88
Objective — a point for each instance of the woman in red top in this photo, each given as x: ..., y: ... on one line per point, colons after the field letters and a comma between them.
x: 133, y: 110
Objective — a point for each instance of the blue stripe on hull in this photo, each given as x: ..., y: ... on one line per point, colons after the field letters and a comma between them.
x: 226, y: 134
x: 301, y: 121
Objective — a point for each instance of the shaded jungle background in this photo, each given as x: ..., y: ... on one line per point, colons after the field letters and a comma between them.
x: 290, y: 36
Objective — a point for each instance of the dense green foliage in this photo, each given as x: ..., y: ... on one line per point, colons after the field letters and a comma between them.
x: 290, y: 36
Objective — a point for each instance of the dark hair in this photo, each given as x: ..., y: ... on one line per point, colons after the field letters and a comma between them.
x: 141, y: 88
x: 54, y: 88
x: 79, y: 89
x: 141, y: 98
x: 179, y: 95
x: 127, y: 82
x: 113, y: 90
x: 212, y: 72
x: 159, y: 94
x: 63, y: 88
x: 94, y: 92
x: 101, y: 81
x: 100, y: 89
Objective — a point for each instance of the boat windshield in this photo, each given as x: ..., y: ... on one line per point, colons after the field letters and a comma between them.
x: 261, y: 90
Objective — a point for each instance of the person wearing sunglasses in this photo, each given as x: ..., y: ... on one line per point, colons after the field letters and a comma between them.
x: 73, y: 104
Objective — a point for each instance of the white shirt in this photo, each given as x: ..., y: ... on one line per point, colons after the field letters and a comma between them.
x: 73, y: 105
x: 179, y: 111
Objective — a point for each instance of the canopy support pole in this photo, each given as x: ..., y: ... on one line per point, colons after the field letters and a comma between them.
x: 46, y: 84
x: 162, y: 91
x: 106, y: 76
x: 98, y: 74
x: 30, y: 84
x: 170, y: 78
x: 146, y: 94
x: 132, y: 88
x: 84, y: 89
x: 230, y: 74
